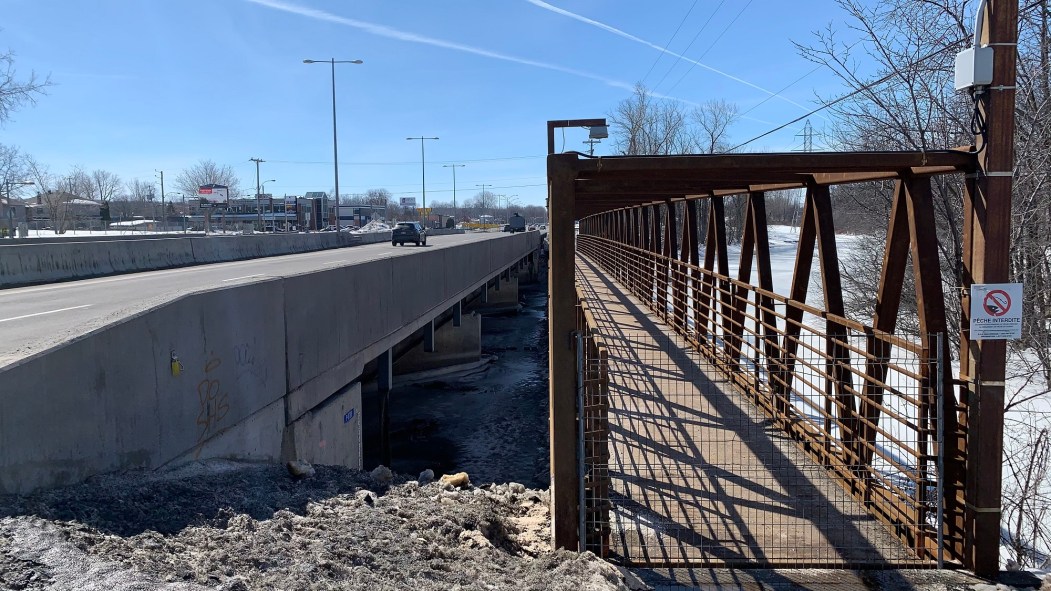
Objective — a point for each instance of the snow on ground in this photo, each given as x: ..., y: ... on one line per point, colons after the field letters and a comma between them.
x: 373, y: 226
x: 239, y: 526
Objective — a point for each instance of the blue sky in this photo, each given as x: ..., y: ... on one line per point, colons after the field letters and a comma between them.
x: 143, y: 85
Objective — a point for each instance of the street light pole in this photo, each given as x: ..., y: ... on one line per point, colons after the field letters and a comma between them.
x: 482, y: 200
x: 423, y: 169
x: 335, y: 148
x: 271, y: 203
x: 258, y: 211
x: 164, y: 214
x: 454, y: 167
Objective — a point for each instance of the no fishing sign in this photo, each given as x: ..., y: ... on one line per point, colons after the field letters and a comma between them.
x: 996, y: 311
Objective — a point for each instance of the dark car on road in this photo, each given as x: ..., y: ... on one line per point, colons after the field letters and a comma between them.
x: 408, y: 232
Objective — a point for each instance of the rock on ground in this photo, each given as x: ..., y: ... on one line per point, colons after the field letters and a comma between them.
x: 229, y: 525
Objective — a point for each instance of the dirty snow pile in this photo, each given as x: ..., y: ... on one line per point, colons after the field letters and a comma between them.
x: 373, y: 226
x: 238, y: 526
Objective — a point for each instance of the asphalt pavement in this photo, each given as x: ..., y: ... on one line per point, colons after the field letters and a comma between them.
x: 33, y: 319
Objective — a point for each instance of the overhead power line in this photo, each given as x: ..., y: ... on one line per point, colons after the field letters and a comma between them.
x: 868, y: 86
x: 720, y: 36
x: 670, y: 39
x: 698, y: 34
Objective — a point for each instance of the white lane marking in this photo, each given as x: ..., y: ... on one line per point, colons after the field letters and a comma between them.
x: 43, y: 313
x: 243, y: 277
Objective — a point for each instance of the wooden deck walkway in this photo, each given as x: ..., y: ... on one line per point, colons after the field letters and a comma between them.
x: 698, y: 475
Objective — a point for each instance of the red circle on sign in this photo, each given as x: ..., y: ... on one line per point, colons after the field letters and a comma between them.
x: 997, y: 302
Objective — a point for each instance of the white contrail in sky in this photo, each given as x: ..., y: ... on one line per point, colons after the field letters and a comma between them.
x: 385, y: 31
x: 630, y: 37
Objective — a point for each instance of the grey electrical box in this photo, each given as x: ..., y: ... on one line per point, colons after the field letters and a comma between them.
x: 974, y: 67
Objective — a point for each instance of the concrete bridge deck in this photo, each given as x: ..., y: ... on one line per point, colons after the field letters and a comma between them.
x: 698, y: 476
x: 260, y: 360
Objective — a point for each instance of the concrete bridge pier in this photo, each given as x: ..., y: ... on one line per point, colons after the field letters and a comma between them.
x: 501, y: 294
x: 375, y: 411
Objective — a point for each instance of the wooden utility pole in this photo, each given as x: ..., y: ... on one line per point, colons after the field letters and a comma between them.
x: 986, y: 247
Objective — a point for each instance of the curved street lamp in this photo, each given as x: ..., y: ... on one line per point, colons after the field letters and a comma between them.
x: 423, y: 169
x: 259, y: 206
x: 335, y: 150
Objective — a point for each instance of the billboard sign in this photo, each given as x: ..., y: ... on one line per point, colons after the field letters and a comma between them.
x: 409, y: 202
x: 213, y: 195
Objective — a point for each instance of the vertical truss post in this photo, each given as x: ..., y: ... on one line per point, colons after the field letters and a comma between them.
x: 561, y: 360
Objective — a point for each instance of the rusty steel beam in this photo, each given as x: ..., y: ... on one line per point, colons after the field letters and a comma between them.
x: 809, y: 163
x: 885, y: 317
x: 832, y: 287
x: 930, y: 303
x: 797, y: 293
x: 669, y: 250
x: 561, y: 359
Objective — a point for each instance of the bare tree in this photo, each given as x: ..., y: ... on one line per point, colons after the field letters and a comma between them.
x: 714, y: 119
x: 12, y: 169
x: 207, y: 172
x: 51, y: 194
x: 14, y: 92
x: 107, y: 184
x: 645, y: 125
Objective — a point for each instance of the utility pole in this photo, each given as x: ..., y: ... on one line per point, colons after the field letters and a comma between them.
x: 454, y: 167
x: 591, y: 145
x: 164, y: 214
x: 483, y: 186
x: 258, y: 208
x: 986, y: 259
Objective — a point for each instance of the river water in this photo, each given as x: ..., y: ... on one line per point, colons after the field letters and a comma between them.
x: 491, y: 424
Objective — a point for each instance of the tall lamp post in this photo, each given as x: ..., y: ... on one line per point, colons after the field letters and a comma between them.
x: 9, y: 208
x: 259, y: 206
x: 335, y: 150
x: 454, y: 167
x: 423, y: 169
x: 482, y: 203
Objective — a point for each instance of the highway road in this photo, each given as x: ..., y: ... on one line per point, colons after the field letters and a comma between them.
x: 33, y: 319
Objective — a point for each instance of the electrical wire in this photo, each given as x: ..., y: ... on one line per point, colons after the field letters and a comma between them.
x: 698, y: 34
x: 720, y: 36
x: 668, y: 43
x: 848, y: 95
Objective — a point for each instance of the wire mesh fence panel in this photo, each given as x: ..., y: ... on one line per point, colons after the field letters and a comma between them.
x: 738, y: 434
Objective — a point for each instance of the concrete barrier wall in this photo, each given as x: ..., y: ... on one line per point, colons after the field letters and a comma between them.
x: 249, y: 362
x: 30, y: 263
x: 111, y: 400
x: 95, y: 238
